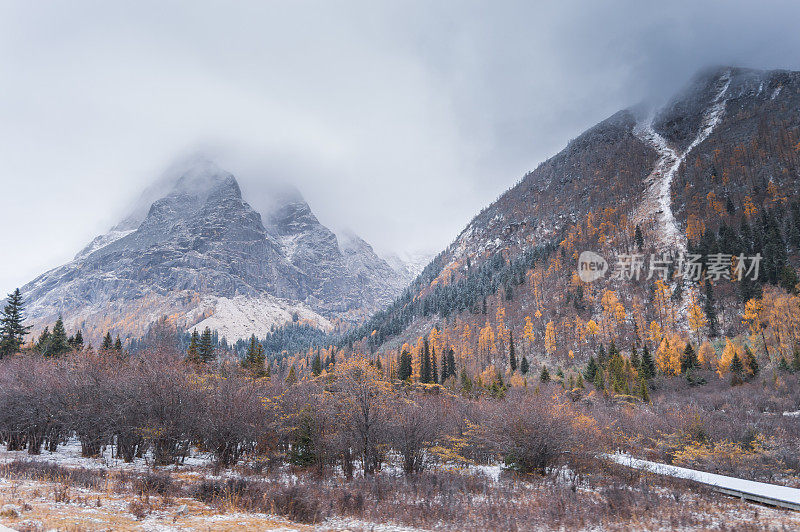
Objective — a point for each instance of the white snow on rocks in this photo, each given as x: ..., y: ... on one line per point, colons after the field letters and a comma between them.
x: 102, y: 241
x: 658, y: 198
x: 241, y: 316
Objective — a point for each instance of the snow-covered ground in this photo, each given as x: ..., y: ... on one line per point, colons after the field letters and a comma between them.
x: 241, y: 316
x: 69, y: 455
x: 758, y: 491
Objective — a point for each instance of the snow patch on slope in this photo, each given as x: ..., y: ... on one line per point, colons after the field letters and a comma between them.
x: 657, y: 203
x: 242, y: 316
x: 102, y: 241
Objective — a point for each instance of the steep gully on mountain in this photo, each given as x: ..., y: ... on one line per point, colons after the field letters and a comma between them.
x: 657, y: 202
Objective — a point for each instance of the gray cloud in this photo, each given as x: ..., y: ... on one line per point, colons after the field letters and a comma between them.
x: 399, y: 120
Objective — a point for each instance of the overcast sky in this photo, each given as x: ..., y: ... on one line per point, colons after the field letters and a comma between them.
x: 398, y: 120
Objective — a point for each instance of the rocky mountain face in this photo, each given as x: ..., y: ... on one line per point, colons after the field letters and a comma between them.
x: 202, y: 256
x: 723, y: 153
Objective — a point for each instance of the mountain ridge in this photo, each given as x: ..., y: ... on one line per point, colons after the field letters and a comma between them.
x: 201, y: 250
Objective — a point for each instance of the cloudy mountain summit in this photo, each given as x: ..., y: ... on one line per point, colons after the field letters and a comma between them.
x: 195, y: 250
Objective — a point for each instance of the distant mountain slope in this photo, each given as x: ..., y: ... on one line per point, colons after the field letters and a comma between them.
x: 716, y: 169
x: 201, y: 254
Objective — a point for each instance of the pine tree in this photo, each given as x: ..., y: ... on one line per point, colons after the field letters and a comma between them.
x: 602, y: 358
x: 78, y: 342
x: 638, y: 238
x: 591, y: 370
x: 711, y: 313
x: 254, y: 359
x: 12, y: 330
x: 737, y: 368
x: 451, y: 363
x: 643, y: 392
x: 524, y: 367
x: 291, y: 378
x: 108, y: 343
x: 636, y: 362
x: 689, y: 359
x: 544, y: 376
x: 445, y: 368
x: 648, y: 368
x: 616, y: 366
x: 206, y: 347
x: 512, y: 356
x: 193, y: 353
x: 118, y: 345
x: 58, y: 344
x: 425, y: 369
x: 404, y: 370
x: 434, y: 372
x: 316, y: 364
x: 579, y: 383
x: 598, y: 380
x: 43, y: 343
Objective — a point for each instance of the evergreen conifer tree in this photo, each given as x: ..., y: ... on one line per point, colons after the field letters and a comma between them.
x: 648, y: 368
x: 451, y: 363
x: 643, y: 392
x: 601, y: 356
x: 598, y: 380
x: 711, y: 313
x: 425, y: 363
x: 636, y: 362
x: 12, y: 330
x: 43, y: 343
x: 434, y: 371
x: 404, y: 370
x: 524, y: 367
x: 316, y: 364
x: 193, y: 353
x: 689, y: 359
x: 108, y: 343
x: 291, y: 378
x: 254, y: 359
x: 206, y: 346
x: 58, y: 340
x: 591, y: 370
x: 118, y: 345
x: 544, y: 376
x: 737, y: 368
x: 512, y: 355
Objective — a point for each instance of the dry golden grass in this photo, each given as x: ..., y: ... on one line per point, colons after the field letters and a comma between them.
x: 82, y: 509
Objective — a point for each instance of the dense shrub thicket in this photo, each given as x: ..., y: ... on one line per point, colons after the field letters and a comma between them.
x: 160, y: 406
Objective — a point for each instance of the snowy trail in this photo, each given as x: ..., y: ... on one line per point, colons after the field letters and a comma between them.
x: 747, y: 489
x: 657, y: 204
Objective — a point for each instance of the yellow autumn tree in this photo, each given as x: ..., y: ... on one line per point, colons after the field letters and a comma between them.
x: 724, y: 363
x: 706, y: 355
x: 697, y: 319
x: 668, y: 358
x: 550, y: 338
x: 486, y: 345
